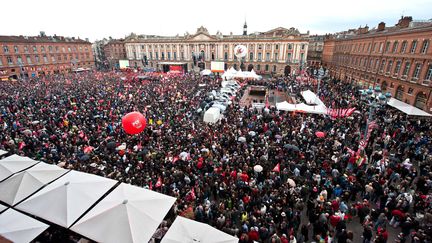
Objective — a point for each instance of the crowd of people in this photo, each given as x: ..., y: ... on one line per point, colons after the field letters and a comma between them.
x: 310, y: 189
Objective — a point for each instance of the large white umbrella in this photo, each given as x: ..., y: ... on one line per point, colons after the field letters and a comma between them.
x: 2, y: 208
x: 184, y: 230
x: 66, y: 199
x: 127, y: 214
x: 23, y: 184
x: 2, y: 152
x: 258, y: 168
x: 18, y: 227
x: 14, y: 163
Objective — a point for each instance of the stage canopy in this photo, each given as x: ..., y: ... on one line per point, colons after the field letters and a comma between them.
x: 313, y: 109
x: 406, y: 108
x: 2, y: 152
x: 127, y: 214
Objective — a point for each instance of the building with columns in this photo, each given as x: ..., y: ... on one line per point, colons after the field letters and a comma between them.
x: 276, y: 51
x: 396, y: 58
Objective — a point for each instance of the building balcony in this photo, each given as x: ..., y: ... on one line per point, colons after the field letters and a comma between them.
x: 426, y: 82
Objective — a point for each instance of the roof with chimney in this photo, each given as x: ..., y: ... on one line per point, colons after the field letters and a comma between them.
x: 41, y: 39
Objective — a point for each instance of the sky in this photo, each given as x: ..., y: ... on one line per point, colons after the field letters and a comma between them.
x: 96, y: 19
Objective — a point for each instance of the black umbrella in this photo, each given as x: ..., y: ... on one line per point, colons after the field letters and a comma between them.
x: 111, y: 145
x: 291, y: 147
x: 85, y: 157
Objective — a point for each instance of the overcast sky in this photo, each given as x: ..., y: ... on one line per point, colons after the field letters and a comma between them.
x: 96, y: 19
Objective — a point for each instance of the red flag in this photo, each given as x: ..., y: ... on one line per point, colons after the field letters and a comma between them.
x: 21, y: 145
x: 276, y: 168
x: 150, y: 185
x: 159, y: 182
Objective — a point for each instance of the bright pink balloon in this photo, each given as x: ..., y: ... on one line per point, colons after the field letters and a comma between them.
x: 134, y: 123
x: 320, y: 134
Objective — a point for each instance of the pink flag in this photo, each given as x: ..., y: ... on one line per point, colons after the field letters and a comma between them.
x: 276, y: 168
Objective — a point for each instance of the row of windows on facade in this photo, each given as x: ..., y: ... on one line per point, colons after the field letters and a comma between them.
x: 19, y: 59
x: 201, y: 56
x: 42, y: 49
x: 258, y: 67
x: 290, y: 46
x: 395, y: 48
x: 363, y: 63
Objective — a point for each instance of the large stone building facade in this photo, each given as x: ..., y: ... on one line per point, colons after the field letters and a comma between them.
x: 276, y: 51
x: 33, y: 56
x: 315, y: 51
x: 397, y: 58
x: 114, y: 51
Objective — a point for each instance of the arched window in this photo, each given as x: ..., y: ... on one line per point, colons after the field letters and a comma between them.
x: 420, y: 101
x: 399, y: 93
x: 384, y: 86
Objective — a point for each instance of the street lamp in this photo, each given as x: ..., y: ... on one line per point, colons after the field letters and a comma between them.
x: 375, y: 99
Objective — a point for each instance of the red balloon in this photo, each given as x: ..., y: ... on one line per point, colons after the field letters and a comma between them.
x: 320, y: 134
x: 134, y: 123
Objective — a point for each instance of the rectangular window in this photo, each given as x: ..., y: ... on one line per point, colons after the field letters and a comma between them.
x: 16, y: 49
x: 175, y: 55
x: 25, y: 49
x: 169, y: 55
x: 59, y: 57
x: 277, y: 47
x: 45, y: 58
x: 425, y: 46
x: 28, y: 60
x: 289, y: 46
x: 19, y: 60
x: 182, y: 55
x: 226, y: 56
x: 413, y: 46
x: 387, y: 48
x: 428, y: 75
x: 382, y: 66
x: 369, y: 47
x: 389, y: 66
x: 5, y: 49
x: 303, y: 46
x: 9, y: 60
x: 374, y: 47
x: 65, y: 57
x: 251, y: 56
x: 406, y: 69
x: 157, y: 55
x: 395, y: 47
x: 397, y: 68
x: 34, y: 49
x: 417, y: 70
x: 53, y: 59
x: 42, y: 49
x: 163, y: 56
x: 289, y: 57
x: 404, y: 46
x: 267, y: 56
x: 37, y: 59
x: 259, y: 56
x: 276, y: 56
x: 301, y: 57
x: 381, y: 47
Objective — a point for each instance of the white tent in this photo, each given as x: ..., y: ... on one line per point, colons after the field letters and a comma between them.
x: 2, y: 208
x: 212, y: 115
x: 407, y: 108
x: 205, y: 72
x: 313, y: 109
x: 18, y: 227
x: 127, y: 214
x: 184, y: 230
x: 311, y: 98
x: 66, y: 199
x: 13, y: 164
x: 2, y: 152
x: 25, y: 183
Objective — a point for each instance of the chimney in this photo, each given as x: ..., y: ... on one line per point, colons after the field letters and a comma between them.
x: 381, y: 26
x: 404, y: 21
x: 42, y: 33
x: 87, y: 39
x: 363, y: 30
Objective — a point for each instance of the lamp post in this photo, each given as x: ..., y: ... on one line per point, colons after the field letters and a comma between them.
x: 370, y: 96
